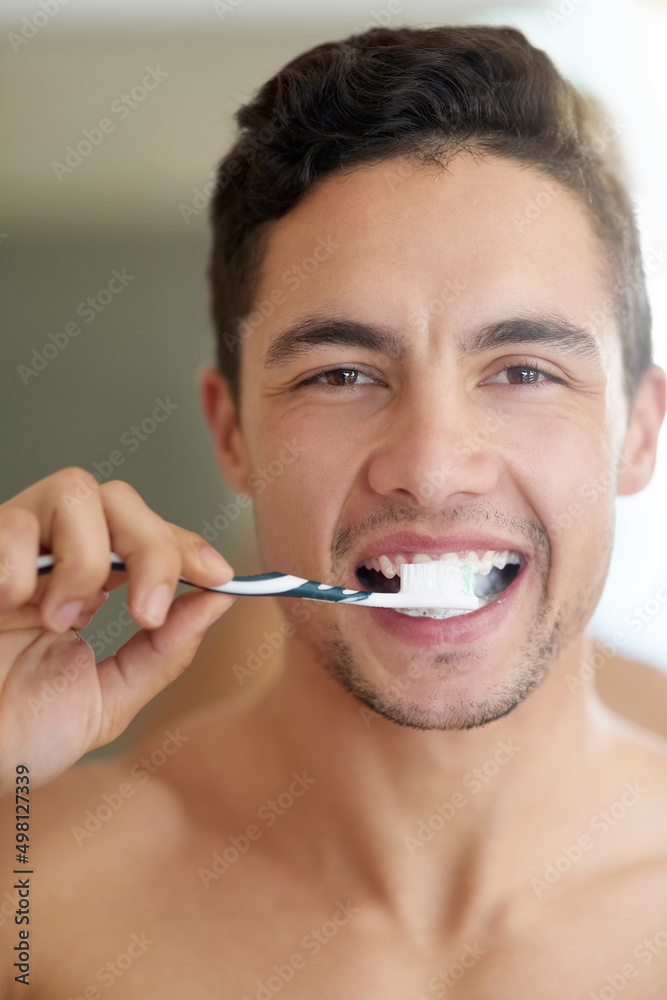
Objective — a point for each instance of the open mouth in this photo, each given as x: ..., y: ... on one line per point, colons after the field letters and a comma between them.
x: 494, y: 572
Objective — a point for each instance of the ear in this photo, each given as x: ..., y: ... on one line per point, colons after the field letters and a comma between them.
x: 638, y: 454
x: 228, y: 440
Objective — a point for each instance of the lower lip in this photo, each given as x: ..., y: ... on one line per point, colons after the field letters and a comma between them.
x: 458, y: 630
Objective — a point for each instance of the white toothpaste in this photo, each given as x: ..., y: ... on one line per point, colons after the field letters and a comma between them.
x: 448, y: 581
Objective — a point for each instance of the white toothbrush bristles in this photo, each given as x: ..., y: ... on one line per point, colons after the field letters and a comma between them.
x: 443, y: 580
x: 437, y: 578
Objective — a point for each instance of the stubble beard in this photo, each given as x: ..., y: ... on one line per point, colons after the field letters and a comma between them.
x: 549, y: 634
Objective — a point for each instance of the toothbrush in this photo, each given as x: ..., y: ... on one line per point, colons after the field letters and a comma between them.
x: 427, y: 589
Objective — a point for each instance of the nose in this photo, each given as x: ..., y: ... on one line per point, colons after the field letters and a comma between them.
x: 436, y: 450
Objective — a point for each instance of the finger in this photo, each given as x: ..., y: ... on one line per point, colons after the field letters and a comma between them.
x: 156, y: 554
x: 73, y: 527
x: 29, y: 616
x: 89, y: 610
x: 201, y: 563
x: 150, y: 660
x: 147, y: 546
x: 19, y: 546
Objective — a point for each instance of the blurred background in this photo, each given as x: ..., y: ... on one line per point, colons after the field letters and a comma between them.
x: 114, y: 238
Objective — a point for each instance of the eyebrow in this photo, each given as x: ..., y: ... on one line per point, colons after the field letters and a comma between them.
x: 314, y: 331
x: 550, y: 330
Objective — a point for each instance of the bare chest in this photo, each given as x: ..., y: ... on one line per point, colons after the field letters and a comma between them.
x: 250, y: 934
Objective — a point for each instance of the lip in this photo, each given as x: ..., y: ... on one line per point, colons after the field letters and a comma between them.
x: 455, y: 631
x: 411, y: 542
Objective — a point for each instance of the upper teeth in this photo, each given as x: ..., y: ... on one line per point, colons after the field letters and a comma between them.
x: 481, y: 562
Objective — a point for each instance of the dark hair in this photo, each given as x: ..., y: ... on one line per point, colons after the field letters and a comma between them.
x: 426, y: 94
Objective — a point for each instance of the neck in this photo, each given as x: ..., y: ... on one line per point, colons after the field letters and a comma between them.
x: 483, y: 809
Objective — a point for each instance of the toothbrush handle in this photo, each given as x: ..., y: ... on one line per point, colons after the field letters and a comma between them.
x: 263, y: 584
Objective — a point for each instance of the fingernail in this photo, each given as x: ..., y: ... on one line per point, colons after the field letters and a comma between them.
x: 66, y: 614
x: 213, y: 561
x: 157, y: 604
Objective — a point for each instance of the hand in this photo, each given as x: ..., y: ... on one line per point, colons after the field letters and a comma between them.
x: 40, y: 616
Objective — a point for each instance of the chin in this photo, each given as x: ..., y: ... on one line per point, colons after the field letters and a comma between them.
x: 450, y: 690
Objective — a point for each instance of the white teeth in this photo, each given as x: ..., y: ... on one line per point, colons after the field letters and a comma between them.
x: 389, y: 565
x: 486, y: 563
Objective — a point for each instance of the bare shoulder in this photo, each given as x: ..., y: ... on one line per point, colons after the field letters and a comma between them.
x: 95, y: 820
x: 102, y: 835
x: 638, y: 747
x: 81, y: 828
x: 121, y: 803
x: 634, y: 689
x: 117, y: 805
x: 638, y: 763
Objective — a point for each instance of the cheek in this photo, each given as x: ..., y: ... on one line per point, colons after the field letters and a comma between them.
x: 574, y: 493
x: 301, y: 480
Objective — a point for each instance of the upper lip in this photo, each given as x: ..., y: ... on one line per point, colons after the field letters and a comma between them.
x: 411, y: 543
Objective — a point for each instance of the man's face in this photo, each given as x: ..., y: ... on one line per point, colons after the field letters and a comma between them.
x: 417, y: 441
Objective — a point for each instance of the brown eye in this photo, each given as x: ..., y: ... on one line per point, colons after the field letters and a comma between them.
x: 338, y: 378
x: 341, y: 376
x: 520, y: 376
x: 524, y: 375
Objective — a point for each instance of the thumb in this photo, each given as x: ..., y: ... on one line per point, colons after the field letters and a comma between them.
x: 153, y: 658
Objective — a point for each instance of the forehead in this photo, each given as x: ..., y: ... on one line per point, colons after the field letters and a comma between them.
x: 462, y: 246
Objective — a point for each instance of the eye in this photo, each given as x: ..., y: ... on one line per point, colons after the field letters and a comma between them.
x: 339, y: 378
x: 523, y: 374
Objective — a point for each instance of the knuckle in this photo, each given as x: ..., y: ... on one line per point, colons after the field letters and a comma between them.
x: 120, y: 488
x: 83, y: 572
x: 193, y: 542
x: 69, y: 478
x: 155, y: 535
x: 163, y: 534
x: 170, y: 553
x: 16, y: 589
x: 157, y: 552
x: 17, y: 521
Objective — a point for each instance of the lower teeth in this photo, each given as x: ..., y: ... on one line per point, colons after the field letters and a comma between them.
x: 432, y: 612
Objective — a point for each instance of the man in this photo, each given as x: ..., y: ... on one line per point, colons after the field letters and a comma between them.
x: 433, y: 333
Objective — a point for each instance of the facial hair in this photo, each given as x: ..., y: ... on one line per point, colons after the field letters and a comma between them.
x: 548, y: 634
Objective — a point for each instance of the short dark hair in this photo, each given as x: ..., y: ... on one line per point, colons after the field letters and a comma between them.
x: 426, y: 94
